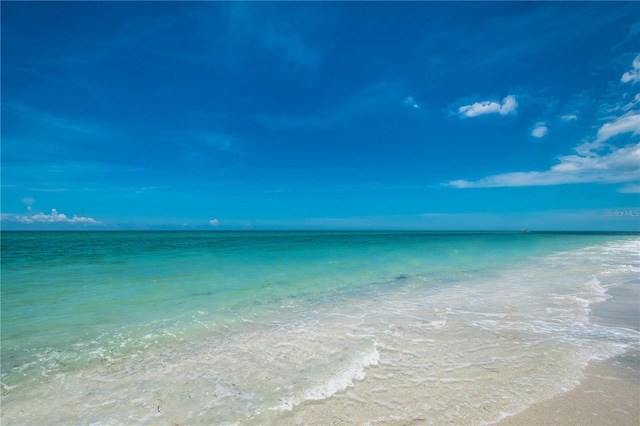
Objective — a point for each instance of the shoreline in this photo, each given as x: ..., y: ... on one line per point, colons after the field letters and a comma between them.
x: 423, y: 350
x: 609, y: 392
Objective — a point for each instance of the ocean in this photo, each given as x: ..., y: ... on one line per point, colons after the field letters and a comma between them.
x: 302, y: 327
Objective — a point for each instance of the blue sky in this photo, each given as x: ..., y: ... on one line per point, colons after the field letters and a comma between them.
x: 320, y: 115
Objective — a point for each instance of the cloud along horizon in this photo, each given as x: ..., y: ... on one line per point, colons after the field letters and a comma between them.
x: 53, y: 218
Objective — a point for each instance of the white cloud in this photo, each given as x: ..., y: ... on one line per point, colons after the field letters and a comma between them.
x: 29, y: 202
x: 214, y: 222
x: 610, y: 156
x: 54, y: 217
x: 589, y: 164
x: 630, y: 189
x: 633, y: 75
x: 620, y: 165
x: 508, y: 105
x: 629, y: 122
x: 634, y: 102
x: 540, y: 130
x: 57, y: 124
x: 410, y: 101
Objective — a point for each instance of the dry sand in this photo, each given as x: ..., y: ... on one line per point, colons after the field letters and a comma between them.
x: 608, y: 395
x: 610, y: 392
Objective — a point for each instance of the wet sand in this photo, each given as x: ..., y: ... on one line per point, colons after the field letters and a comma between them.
x: 609, y: 394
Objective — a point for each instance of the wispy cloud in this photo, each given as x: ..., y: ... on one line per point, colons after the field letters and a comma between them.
x: 29, y: 202
x: 219, y: 141
x: 630, y: 189
x: 629, y: 122
x: 593, y: 162
x: 291, y: 46
x: 411, y: 102
x: 53, y: 218
x: 633, y: 75
x: 54, y: 122
x: 633, y: 103
x: 618, y: 166
x: 610, y: 156
x: 538, y: 220
x: 508, y: 106
x: 539, y: 130
x: 46, y: 135
x: 71, y: 176
x: 508, y: 37
x: 278, y: 36
x: 369, y: 99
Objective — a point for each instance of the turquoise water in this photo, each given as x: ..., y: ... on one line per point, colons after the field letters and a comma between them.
x: 109, y: 305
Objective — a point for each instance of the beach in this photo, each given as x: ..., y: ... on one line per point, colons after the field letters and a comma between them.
x: 320, y: 328
x: 609, y: 393
x: 291, y: 213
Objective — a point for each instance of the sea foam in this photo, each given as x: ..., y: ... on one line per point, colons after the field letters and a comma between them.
x: 339, y: 381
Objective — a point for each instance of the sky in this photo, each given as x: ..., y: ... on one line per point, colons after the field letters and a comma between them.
x: 320, y: 115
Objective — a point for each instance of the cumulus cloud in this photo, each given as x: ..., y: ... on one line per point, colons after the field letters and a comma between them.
x: 54, y: 217
x: 633, y: 75
x: 539, y: 130
x: 508, y: 106
x: 214, y: 222
x: 411, y: 102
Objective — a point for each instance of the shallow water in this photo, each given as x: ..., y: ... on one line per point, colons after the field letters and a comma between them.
x: 299, y: 327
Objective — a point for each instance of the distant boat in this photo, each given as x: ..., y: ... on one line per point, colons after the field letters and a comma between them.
x: 525, y: 230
